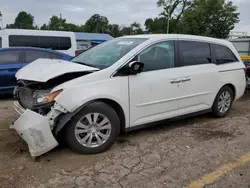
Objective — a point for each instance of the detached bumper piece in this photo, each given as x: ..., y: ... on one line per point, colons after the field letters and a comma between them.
x: 18, y: 108
x: 35, y: 130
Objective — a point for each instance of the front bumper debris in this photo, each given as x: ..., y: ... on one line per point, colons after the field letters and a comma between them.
x: 18, y: 108
x: 35, y: 130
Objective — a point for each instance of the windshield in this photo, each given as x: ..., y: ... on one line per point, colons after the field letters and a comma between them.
x: 107, y: 53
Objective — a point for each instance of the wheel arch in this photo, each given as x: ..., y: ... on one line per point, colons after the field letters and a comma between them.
x: 232, y: 87
x: 65, y: 118
x: 229, y: 85
x: 215, y: 109
x: 118, y: 109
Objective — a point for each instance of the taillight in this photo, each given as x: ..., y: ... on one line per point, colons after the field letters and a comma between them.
x: 245, y: 69
x: 76, y: 52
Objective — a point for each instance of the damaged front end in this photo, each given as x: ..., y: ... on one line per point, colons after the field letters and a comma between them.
x: 39, y: 112
x: 36, y: 129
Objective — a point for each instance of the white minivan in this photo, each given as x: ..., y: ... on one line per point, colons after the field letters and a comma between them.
x: 123, y: 84
x: 62, y: 41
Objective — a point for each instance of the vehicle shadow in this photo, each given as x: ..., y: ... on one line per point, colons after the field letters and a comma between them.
x: 6, y: 96
x: 192, y: 121
x: 167, y: 125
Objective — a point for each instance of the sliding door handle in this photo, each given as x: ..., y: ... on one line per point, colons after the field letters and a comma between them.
x: 175, y: 81
x: 186, y: 79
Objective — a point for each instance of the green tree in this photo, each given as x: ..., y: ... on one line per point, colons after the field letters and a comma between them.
x: 156, y: 25
x: 136, y: 28
x: 23, y: 20
x: 215, y: 18
x: 173, y: 10
x: 0, y: 18
x: 126, y: 31
x: 133, y: 29
x: 114, y: 30
x: 97, y: 24
x: 55, y: 23
x: 44, y: 27
x: 72, y: 27
x: 58, y: 24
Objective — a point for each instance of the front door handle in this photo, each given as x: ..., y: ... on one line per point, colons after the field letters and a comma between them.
x: 186, y: 79
x: 175, y: 81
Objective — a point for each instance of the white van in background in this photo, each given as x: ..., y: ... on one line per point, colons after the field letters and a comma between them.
x: 61, y: 41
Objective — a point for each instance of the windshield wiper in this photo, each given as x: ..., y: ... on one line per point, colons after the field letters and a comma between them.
x: 90, y: 65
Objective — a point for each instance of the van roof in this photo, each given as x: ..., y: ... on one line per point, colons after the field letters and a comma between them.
x: 179, y: 36
x: 28, y: 31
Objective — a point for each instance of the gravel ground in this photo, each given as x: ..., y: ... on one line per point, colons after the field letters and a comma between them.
x: 167, y: 155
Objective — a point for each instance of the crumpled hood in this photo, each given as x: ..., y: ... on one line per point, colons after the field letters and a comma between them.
x: 42, y: 70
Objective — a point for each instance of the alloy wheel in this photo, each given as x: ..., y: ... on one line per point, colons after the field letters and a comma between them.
x: 224, y: 101
x: 93, y: 130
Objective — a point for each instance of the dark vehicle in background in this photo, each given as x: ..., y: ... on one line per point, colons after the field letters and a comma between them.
x: 246, y: 61
x: 13, y: 59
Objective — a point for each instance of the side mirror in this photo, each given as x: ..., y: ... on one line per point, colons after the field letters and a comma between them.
x: 135, y: 67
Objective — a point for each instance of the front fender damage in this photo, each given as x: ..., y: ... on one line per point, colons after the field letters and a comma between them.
x: 36, y: 129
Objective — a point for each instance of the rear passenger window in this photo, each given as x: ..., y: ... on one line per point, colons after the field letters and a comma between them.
x: 32, y: 55
x: 9, y: 57
x: 23, y: 40
x: 49, y: 42
x: 55, y: 56
x: 223, y: 54
x: 194, y: 53
x: 64, y: 43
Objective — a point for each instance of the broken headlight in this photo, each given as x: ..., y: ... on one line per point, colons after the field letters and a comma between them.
x: 47, y: 97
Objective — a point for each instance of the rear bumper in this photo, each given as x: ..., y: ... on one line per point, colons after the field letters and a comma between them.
x: 35, y: 130
x: 248, y: 82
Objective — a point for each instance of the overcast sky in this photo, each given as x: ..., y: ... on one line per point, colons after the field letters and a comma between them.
x: 117, y: 11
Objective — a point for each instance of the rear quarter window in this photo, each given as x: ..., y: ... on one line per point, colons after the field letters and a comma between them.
x: 0, y: 42
x: 223, y: 54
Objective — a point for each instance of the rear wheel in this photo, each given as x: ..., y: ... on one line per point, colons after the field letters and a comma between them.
x: 223, y: 102
x: 94, y: 129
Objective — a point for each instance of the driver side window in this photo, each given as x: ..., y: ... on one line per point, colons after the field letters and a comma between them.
x: 158, y: 56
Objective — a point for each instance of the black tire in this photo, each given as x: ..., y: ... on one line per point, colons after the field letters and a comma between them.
x: 95, y: 107
x: 215, y: 108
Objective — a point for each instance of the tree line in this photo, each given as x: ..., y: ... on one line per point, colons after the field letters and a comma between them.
x: 214, y: 18
x: 95, y: 24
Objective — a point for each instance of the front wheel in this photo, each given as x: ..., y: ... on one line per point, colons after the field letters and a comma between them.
x: 223, y: 102
x: 94, y: 129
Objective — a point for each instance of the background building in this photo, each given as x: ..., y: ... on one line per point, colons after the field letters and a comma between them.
x: 242, y: 45
x: 87, y: 40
